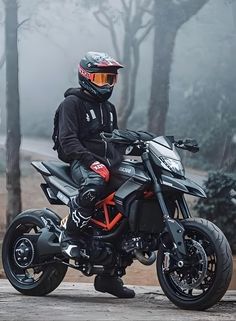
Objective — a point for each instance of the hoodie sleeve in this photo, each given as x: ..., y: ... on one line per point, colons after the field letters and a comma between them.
x: 68, y: 134
x: 115, y: 125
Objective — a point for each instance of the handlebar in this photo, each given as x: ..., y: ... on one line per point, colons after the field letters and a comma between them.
x: 138, y: 138
x: 126, y: 137
x: 188, y: 144
x: 108, y: 138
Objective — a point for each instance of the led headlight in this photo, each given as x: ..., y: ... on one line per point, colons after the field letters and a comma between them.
x: 172, y: 165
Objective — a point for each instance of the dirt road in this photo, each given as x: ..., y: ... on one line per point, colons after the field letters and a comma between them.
x: 81, y: 302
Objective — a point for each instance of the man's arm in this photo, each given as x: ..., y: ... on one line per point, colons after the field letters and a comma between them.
x: 115, y: 125
x: 68, y: 134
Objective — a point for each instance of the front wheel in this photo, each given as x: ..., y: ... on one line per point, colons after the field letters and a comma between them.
x: 202, y: 278
x: 25, y: 269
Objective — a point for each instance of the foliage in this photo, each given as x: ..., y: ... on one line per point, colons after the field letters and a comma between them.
x: 220, y: 204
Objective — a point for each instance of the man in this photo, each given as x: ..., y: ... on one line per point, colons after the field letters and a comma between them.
x: 83, y: 115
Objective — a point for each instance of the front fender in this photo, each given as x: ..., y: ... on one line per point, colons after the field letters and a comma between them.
x: 185, y: 185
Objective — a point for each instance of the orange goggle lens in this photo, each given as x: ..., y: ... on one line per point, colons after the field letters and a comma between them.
x: 102, y: 79
x: 99, y: 78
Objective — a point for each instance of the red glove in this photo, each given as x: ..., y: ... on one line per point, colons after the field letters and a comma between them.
x: 100, y: 169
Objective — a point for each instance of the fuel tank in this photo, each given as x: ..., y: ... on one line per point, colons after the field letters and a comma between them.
x: 127, y: 169
x: 126, y: 180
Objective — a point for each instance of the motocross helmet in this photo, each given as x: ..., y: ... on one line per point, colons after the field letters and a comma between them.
x: 98, y: 74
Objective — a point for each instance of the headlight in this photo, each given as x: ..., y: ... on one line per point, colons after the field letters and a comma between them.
x: 172, y: 165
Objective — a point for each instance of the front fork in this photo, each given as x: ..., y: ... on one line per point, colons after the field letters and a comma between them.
x: 175, y: 229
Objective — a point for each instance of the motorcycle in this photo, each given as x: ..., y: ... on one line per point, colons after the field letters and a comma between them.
x: 143, y: 216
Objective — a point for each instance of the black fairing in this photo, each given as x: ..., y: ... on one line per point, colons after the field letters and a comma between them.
x: 132, y: 180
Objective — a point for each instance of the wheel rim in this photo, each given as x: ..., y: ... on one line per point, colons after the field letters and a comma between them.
x: 21, y: 255
x: 197, y: 275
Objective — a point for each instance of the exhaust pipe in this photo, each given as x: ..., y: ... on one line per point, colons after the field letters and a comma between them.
x: 140, y: 255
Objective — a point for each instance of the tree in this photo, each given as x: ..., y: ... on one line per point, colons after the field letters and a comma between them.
x: 2, y: 54
x: 2, y: 60
x: 208, y: 107
x: 33, y: 5
x: 3, y: 57
x: 13, y: 111
x: 169, y: 15
x: 137, y: 24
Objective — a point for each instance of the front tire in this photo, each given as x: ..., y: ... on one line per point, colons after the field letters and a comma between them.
x: 207, y: 271
x: 19, y: 253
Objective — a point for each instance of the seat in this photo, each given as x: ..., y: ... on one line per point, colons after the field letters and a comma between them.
x: 60, y: 170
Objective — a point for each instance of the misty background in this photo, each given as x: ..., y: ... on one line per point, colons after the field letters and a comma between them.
x: 202, y: 89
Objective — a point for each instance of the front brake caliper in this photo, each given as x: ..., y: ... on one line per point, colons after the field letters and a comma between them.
x: 166, y: 262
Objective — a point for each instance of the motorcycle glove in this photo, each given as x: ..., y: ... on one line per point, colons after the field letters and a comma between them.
x: 100, y: 169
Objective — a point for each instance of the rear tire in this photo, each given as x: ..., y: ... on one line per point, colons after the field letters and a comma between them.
x: 197, y: 285
x: 30, y: 281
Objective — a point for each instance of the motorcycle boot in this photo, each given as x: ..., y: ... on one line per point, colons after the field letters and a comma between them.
x: 113, y: 285
x: 77, y: 219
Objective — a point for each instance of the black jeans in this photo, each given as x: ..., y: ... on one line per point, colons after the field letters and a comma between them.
x: 91, y: 186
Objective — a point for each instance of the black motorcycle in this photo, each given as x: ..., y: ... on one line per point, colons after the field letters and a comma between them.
x: 143, y: 216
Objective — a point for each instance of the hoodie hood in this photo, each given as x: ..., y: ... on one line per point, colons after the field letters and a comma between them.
x: 79, y: 93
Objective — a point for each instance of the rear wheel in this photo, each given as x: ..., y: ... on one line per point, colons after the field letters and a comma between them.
x: 202, y: 278
x: 25, y: 269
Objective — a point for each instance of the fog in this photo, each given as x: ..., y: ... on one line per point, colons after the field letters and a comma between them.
x: 59, y: 33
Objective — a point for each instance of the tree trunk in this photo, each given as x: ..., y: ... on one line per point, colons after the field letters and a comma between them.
x: 134, y: 71
x: 2, y: 60
x: 169, y: 16
x: 164, y: 41
x: 13, y: 112
x: 125, y: 79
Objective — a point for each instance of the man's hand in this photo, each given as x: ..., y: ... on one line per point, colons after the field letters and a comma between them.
x: 100, y: 169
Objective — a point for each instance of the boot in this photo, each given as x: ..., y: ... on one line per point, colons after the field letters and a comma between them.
x: 71, y: 227
x: 113, y: 285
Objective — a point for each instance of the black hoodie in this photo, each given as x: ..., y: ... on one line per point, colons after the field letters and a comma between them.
x: 81, y: 120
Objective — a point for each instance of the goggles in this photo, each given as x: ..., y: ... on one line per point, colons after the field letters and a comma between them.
x: 99, y: 78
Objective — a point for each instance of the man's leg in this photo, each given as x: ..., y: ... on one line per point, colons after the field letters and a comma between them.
x: 91, y: 186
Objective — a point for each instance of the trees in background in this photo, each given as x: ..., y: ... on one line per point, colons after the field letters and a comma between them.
x: 169, y: 15
x: 208, y: 112
x: 129, y: 23
x: 13, y: 111
x: 137, y: 22
x: 3, y: 56
x: 9, y: 57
